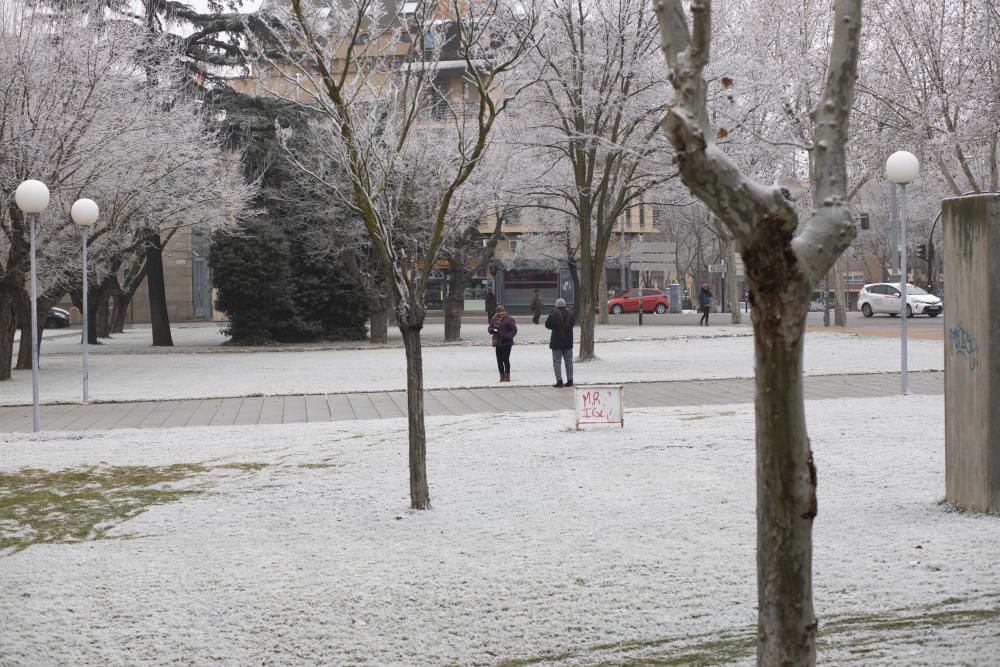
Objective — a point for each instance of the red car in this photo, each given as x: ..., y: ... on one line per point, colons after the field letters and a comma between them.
x: 653, y: 301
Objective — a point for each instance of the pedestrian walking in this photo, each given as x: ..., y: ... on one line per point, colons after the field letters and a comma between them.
x: 504, y: 328
x: 536, y: 307
x: 491, y: 304
x: 704, y: 304
x: 561, y: 322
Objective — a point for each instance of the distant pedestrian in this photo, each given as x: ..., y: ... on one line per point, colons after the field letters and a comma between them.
x: 504, y: 328
x: 561, y: 322
x: 704, y: 304
x: 536, y: 307
x: 491, y: 304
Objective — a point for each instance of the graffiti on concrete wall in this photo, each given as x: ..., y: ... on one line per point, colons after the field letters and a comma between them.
x: 964, y: 343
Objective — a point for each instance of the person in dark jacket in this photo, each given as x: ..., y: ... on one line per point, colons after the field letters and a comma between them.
x: 504, y: 328
x: 704, y: 304
x: 536, y: 307
x: 561, y: 322
x: 491, y: 304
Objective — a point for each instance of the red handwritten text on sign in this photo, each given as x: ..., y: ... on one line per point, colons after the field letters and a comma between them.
x: 599, y: 405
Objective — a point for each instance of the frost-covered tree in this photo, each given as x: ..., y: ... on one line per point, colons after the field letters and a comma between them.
x: 376, y: 79
x: 603, y: 93
x: 77, y: 113
x: 784, y: 258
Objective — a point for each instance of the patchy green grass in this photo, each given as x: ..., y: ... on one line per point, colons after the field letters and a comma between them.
x: 858, y: 635
x: 76, y: 504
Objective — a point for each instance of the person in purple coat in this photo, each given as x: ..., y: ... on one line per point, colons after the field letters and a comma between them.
x: 504, y: 328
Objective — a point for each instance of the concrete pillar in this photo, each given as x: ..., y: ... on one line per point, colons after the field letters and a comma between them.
x: 972, y: 351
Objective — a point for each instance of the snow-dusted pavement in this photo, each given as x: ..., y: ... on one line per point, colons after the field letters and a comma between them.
x: 603, y: 546
x: 127, y: 368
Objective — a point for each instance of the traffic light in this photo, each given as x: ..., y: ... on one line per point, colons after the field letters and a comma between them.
x: 922, y: 250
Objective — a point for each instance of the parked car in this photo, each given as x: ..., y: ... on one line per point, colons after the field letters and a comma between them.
x: 884, y: 298
x: 653, y: 301
x: 56, y: 318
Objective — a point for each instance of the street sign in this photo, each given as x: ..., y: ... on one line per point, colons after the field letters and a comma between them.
x: 717, y: 268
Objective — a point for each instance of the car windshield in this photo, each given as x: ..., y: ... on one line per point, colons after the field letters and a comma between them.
x: 913, y: 289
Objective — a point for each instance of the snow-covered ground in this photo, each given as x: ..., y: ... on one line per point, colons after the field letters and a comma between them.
x: 602, y: 546
x: 199, y: 368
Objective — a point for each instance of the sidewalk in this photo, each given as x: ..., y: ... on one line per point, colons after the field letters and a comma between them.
x: 389, y: 405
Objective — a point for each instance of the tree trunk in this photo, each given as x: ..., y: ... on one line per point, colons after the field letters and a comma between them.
x: 8, y: 325
x: 840, y: 312
x: 786, y: 476
x: 158, y: 316
x: 602, y: 298
x: 103, y: 315
x: 22, y: 306
x: 585, y: 320
x: 119, y: 312
x: 731, y: 283
x: 381, y: 311
x: 420, y: 497
x: 455, y: 303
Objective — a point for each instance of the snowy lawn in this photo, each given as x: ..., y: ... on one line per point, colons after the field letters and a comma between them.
x: 294, y: 545
x: 626, y: 354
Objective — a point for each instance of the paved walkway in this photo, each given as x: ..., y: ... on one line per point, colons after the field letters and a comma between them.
x: 392, y: 404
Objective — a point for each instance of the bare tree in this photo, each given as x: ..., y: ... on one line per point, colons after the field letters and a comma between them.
x: 373, y: 77
x: 783, y: 263
x: 603, y: 94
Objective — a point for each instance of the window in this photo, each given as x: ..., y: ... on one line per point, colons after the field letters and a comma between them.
x: 642, y: 215
x: 879, y: 289
x: 403, y: 36
x: 651, y: 292
x: 361, y: 40
x: 512, y: 245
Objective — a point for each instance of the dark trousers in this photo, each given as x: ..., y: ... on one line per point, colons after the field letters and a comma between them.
x: 503, y: 358
x: 490, y: 314
x: 704, y: 315
x: 535, y: 315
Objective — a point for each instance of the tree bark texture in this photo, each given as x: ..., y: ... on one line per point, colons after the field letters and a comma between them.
x: 22, y: 306
x: 8, y: 325
x: 786, y: 476
x: 602, y: 300
x: 420, y: 496
x: 158, y: 316
x: 455, y: 302
x: 381, y: 312
x: 840, y: 312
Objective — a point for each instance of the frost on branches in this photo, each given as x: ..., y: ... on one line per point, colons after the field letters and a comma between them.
x: 77, y: 113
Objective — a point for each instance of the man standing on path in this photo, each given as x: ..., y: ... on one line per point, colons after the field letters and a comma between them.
x: 561, y: 322
x: 536, y: 307
x: 491, y: 304
x: 704, y: 304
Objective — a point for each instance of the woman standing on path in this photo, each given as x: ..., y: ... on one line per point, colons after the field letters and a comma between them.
x: 504, y: 328
x: 704, y: 304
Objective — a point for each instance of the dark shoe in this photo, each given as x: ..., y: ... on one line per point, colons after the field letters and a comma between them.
x: 569, y: 383
x: 502, y: 376
x: 558, y: 384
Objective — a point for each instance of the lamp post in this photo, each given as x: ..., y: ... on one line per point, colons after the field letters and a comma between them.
x: 32, y: 197
x: 84, y: 214
x: 902, y: 168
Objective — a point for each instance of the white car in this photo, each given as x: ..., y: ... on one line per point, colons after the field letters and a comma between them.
x: 884, y: 298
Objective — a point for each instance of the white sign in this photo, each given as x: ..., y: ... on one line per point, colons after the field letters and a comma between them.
x: 599, y: 404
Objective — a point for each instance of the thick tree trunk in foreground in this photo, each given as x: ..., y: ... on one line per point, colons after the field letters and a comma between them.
x: 455, y: 302
x: 158, y: 316
x: 786, y: 476
x: 420, y: 496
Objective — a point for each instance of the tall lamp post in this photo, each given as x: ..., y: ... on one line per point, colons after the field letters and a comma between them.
x: 84, y: 214
x: 902, y: 168
x: 32, y: 197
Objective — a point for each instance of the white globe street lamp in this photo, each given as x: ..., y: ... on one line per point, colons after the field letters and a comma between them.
x: 85, y: 213
x: 902, y: 168
x: 32, y: 197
